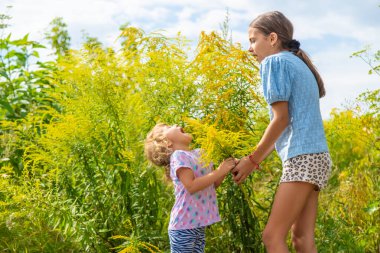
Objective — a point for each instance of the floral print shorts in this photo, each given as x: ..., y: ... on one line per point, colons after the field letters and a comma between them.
x: 311, y: 168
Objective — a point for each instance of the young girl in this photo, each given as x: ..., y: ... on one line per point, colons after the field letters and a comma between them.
x: 195, y: 204
x: 292, y: 87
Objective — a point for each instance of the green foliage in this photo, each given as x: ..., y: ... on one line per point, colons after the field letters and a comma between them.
x: 23, y: 81
x: 133, y: 245
x: 24, y: 225
x: 351, y: 204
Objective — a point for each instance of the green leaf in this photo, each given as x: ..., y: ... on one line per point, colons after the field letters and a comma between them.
x: 10, y: 54
x: 372, y: 208
x: 5, y: 104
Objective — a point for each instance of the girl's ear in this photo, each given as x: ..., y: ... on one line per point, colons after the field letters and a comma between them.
x: 273, y: 38
x: 169, y: 143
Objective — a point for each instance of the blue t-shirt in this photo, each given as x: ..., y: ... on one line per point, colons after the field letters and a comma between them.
x: 285, y: 77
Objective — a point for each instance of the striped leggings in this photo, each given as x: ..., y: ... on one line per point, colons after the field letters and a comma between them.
x: 187, y: 240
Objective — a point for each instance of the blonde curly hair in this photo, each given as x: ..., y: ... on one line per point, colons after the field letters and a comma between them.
x: 156, y: 148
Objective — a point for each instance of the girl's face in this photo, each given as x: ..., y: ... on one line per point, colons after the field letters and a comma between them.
x: 261, y: 45
x: 177, y: 137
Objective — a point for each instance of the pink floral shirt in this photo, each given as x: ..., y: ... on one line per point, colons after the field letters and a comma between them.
x: 191, y: 210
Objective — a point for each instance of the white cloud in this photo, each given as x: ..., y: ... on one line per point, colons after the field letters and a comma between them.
x: 34, y: 16
x: 337, y: 24
x: 186, y: 13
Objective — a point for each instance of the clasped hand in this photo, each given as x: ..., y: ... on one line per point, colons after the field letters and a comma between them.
x: 242, y: 170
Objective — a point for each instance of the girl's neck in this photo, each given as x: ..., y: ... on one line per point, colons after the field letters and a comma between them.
x: 181, y: 147
x: 279, y: 50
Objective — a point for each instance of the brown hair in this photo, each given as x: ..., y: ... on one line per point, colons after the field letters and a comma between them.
x: 276, y: 22
x: 156, y: 148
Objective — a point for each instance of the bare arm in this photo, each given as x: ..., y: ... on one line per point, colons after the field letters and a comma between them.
x: 219, y: 181
x: 275, y: 128
x: 193, y: 184
x: 266, y: 145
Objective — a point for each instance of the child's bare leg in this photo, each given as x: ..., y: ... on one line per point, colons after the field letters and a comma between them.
x: 303, y: 228
x: 288, y: 204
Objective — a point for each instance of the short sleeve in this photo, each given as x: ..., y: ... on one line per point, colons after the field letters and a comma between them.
x: 276, y: 77
x: 179, y: 159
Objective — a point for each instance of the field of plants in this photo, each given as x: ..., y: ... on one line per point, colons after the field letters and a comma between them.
x: 73, y: 176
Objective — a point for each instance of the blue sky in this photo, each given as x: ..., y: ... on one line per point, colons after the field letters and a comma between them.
x: 329, y: 31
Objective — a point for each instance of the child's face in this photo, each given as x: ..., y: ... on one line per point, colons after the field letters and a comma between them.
x: 177, y: 136
x: 261, y: 45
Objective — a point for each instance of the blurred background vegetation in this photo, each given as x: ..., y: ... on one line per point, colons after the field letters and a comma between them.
x: 73, y: 177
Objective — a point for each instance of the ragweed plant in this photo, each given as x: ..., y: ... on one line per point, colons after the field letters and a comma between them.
x: 219, y: 144
x: 133, y: 245
x: 351, y: 204
x: 227, y: 85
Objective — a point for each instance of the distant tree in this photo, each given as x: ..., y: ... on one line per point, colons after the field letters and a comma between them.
x: 89, y: 41
x: 58, y: 36
x: 4, y: 19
